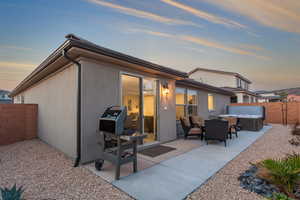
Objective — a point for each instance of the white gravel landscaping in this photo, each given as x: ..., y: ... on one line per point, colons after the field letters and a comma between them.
x: 48, y: 174
x: 224, y: 184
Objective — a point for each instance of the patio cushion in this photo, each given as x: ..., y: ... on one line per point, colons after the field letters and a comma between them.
x: 195, y: 131
x: 231, y: 120
x: 199, y: 121
x: 186, y: 121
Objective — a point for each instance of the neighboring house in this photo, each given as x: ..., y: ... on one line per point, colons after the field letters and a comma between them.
x: 268, y: 96
x: 231, y: 81
x: 4, y: 98
x: 293, y: 98
x: 88, y: 78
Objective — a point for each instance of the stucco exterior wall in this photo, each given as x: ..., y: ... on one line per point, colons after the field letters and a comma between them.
x: 220, y: 102
x: 56, y: 99
x: 215, y: 79
x: 100, y: 89
x: 167, y: 114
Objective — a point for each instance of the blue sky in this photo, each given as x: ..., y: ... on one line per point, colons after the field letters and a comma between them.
x: 259, y: 39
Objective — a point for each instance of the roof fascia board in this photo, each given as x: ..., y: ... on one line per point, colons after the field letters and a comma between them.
x: 205, y: 88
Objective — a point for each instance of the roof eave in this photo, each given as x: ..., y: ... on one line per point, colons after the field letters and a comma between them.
x: 70, y: 42
x: 50, y: 59
x: 204, y: 87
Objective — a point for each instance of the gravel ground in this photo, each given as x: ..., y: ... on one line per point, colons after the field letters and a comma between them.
x: 224, y: 184
x: 48, y: 174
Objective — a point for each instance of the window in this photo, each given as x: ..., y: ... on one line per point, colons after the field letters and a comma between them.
x: 192, y: 102
x: 211, y: 103
x: 22, y: 99
x: 180, y: 96
x: 186, y: 102
x: 233, y: 99
x: 239, y: 82
x: 180, y: 103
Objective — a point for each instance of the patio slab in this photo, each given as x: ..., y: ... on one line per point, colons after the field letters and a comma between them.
x: 108, y: 170
x: 175, y: 178
x: 181, y: 146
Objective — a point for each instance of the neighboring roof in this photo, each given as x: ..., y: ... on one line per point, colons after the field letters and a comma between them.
x: 270, y: 97
x: 4, y: 92
x: 295, y: 91
x: 5, y: 101
x: 203, y: 86
x: 240, y: 90
x: 77, y: 42
x: 263, y: 92
x: 219, y: 72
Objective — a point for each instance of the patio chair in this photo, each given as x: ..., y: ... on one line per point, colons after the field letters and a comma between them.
x: 233, y: 126
x: 197, y: 122
x: 216, y: 129
x: 189, y: 130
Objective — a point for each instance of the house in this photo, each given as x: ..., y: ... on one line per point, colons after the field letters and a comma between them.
x: 80, y: 79
x: 268, y: 96
x: 293, y: 98
x: 231, y: 81
x: 4, y: 97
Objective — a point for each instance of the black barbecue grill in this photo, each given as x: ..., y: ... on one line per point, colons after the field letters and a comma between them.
x: 119, y: 146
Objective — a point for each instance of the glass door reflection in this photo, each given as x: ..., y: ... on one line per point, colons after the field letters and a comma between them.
x: 149, y: 109
x: 131, y: 98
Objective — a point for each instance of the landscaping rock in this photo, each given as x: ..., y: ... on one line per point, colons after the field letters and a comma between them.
x: 295, y: 141
x: 249, y: 181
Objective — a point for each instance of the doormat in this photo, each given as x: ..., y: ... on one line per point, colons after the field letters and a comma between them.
x: 156, y: 150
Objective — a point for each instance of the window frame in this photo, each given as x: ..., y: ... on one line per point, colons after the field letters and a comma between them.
x: 186, y: 103
x: 191, y: 104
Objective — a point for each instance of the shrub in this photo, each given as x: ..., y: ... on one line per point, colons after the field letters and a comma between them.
x: 280, y: 196
x: 284, y: 173
x: 295, y: 141
x: 296, y: 130
x: 13, y: 193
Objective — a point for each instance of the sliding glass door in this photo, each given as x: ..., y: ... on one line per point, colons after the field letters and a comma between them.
x: 149, y: 109
x: 131, y: 98
x: 139, y: 96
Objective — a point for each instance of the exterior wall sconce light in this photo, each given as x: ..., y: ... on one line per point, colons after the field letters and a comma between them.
x: 165, y: 88
x: 165, y: 92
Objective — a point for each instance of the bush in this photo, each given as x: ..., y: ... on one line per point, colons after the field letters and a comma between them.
x: 295, y: 141
x: 280, y: 196
x: 13, y: 193
x: 296, y: 130
x: 284, y: 173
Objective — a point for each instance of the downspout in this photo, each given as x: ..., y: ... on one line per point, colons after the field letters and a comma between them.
x: 78, y: 128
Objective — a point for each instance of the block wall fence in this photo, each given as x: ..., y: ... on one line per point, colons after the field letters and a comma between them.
x: 18, y: 122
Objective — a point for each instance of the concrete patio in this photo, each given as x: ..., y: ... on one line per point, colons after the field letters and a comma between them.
x: 176, y: 175
x: 181, y: 146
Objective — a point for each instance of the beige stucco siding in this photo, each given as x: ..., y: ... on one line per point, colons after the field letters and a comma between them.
x: 220, y: 102
x: 215, y: 79
x: 100, y: 89
x: 56, y: 99
x: 167, y: 114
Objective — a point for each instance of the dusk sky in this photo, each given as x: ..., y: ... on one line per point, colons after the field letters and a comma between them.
x: 259, y: 39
